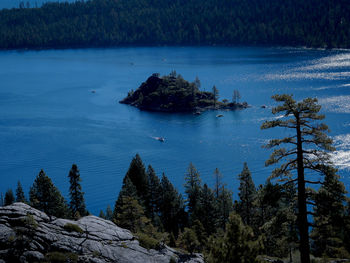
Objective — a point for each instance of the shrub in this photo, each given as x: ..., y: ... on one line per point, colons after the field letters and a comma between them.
x: 73, y: 228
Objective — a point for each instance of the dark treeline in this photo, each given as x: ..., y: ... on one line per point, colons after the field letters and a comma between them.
x: 102, y: 23
x: 262, y: 221
x: 270, y: 220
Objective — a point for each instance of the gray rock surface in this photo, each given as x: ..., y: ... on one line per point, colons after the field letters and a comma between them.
x: 29, y: 235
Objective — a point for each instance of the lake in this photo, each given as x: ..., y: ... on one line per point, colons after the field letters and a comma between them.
x: 50, y: 117
x: 32, y: 3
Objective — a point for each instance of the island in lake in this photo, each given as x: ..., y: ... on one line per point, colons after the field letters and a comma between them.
x: 172, y: 93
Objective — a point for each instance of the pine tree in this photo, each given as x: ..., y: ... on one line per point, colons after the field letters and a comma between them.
x: 247, y: 195
x: 172, y: 211
x: 9, y: 197
x: 20, y: 197
x: 154, y: 195
x: 131, y: 215
x: 138, y: 176
x: 307, y: 149
x: 218, y: 183
x: 77, y: 203
x: 193, y: 191
x: 43, y: 195
x: 224, y: 207
x: 208, y: 211
x: 128, y: 190
x: 237, y: 244
x: 215, y: 92
x: 329, y: 212
x: 109, y: 213
x: 2, y: 202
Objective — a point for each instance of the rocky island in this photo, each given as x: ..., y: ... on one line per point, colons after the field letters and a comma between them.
x: 172, y: 93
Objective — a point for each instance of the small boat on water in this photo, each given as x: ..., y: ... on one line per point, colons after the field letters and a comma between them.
x: 93, y: 91
x: 161, y: 139
x: 219, y: 115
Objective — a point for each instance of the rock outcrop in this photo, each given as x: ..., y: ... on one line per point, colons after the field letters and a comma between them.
x: 29, y: 235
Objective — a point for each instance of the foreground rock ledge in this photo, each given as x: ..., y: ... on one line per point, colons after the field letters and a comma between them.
x: 28, y: 235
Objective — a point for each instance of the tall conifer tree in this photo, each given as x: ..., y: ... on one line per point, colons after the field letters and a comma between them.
x: 306, y: 149
x: 193, y: 192
x: 247, y: 195
x: 20, y: 197
x: 43, y: 195
x: 77, y: 203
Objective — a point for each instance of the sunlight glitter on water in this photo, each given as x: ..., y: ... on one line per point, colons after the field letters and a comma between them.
x: 341, y: 157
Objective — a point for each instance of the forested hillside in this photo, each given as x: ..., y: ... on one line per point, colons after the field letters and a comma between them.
x: 101, y: 23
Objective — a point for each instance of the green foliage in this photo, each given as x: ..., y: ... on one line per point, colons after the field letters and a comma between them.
x: 307, y: 150
x: 30, y: 222
x: 172, y: 209
x: 329, y: 218
x: 147, y: 241
x: 20, y: 197
x: 189, y: 241
x: 207, y: 210
x: 77, y: 203
x: 9, y: 197
x: 193, y: 191
x: 138, y: 177
x: 128, y: 190
x: 43, y: 195
x: 61, y: 257
x: 131, y: 215
x: 174, y: 94
x: 154, y: 196
x: 247, y: 195
x: 312, y: 23
x: 73, y: 228
x: 237, y: 244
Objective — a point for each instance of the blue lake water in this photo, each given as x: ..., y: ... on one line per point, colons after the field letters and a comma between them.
x: 32, y: 3
x: 49, y: 117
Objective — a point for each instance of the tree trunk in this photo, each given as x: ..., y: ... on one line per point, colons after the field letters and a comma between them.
x: 302, y: 208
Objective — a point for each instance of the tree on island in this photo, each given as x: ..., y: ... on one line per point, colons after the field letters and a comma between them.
x: 236, y: 96
x: 306, y: 149
x: 215, y: 92
x: 77, y: 203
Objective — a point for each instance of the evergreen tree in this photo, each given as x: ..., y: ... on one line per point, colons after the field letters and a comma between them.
x: 2, y: 202
x: 189, y: 241
x: 128, y: 190
x: 109, y: 213
x: 329, y: 211
x: 172, y: 211
x: 43, y: 195
x: 307, y: 149
x: 237, y: 244
x: 215, y: 92
x: 154, y: 195
x: 193, y: 191
x: 20, y: 197
x: 218, y: 183
x: 224, y: 207
x: 208, y: 211
x: 247, y: 195
x: 102, y: 214
x: 9, y: 197
x: 77, y: 203
x: 131, y: 215
x: 138, y: 176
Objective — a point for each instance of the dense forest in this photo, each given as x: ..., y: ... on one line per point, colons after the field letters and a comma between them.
x: 271, y: 220
x: 172, y: 93
x: 103, y: 23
